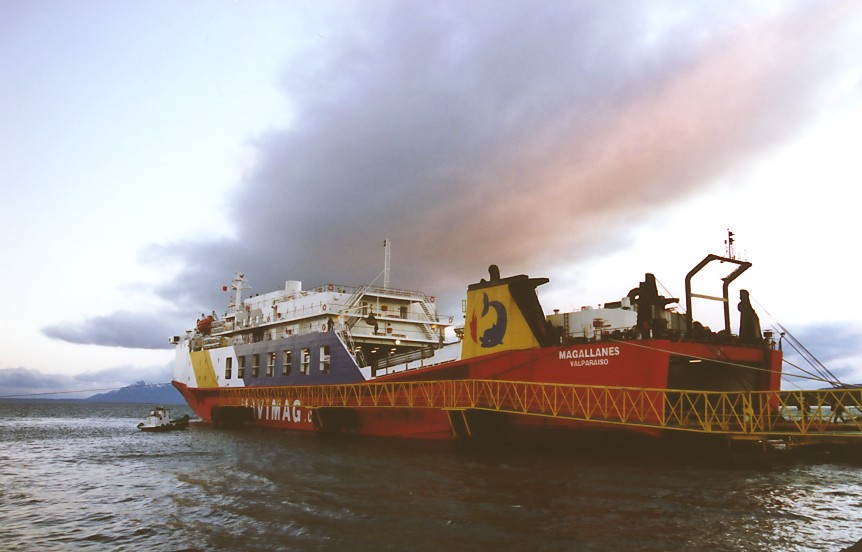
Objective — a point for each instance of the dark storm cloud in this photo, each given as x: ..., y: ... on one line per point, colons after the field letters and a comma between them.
x: 480, y: 133
x: 120, y: 329
x: 836, y: 345
x: 26, y: 378
x: 22, y: 382
x: 519, y: 133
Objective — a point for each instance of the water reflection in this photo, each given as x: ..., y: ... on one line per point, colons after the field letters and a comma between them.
x: 84, y: 477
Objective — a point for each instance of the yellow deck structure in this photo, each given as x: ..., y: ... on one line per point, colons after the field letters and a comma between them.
x: 798, y: 417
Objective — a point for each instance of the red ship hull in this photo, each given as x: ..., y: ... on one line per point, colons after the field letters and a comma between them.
x: 656, y: 364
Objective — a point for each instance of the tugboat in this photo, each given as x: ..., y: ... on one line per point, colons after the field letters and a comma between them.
x: 159, y: 419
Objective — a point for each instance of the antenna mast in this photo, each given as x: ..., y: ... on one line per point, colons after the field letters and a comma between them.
x: 729, y: 245
x: 237, y: 285
x: 387, y: 245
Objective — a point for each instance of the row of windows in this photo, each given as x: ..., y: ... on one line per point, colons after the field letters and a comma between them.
x: 270, y: 358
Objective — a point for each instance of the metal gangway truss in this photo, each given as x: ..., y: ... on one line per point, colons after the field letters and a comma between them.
x: 801, y: 417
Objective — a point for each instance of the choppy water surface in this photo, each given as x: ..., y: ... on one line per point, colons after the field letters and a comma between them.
x: 81, y: 476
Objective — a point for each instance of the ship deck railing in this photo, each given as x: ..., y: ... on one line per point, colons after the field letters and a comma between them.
x: 338, y: 288
x: 833, y: 413
x: 308, y: 318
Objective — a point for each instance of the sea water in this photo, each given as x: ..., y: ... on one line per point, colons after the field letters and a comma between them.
x: 82, y: 477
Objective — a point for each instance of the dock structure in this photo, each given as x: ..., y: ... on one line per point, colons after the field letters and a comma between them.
x: 795, y: 418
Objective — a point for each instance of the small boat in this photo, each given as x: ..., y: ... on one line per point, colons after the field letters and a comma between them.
x: 159, y: 419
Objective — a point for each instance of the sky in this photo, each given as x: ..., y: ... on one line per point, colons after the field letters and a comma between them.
x: 150, y: 150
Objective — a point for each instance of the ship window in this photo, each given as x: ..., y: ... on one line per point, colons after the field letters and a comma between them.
x: 324, y: 358
x: 255, y: 366
x: 228, y: 366
x: 403, y: 310
x: 306, y: 361
x: 270, y: 364
x: 286, y: 363
x: 240, y: 371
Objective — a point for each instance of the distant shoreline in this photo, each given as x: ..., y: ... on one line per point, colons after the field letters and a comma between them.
x: 138, y: 393
x: 89, y: 400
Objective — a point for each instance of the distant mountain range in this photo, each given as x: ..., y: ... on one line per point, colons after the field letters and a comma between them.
x: 141, y: 392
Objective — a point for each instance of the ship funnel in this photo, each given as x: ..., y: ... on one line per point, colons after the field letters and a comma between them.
x: 504, y: 314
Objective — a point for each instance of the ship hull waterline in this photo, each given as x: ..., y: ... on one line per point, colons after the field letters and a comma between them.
x: 647, y: 364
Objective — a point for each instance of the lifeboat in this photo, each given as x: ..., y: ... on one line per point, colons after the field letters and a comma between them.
x: 205, y: 325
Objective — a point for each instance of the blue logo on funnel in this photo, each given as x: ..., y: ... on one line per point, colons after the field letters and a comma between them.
x: 493, y: 336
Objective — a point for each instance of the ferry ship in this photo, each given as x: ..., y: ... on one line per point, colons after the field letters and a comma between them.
x: 263, y: 361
